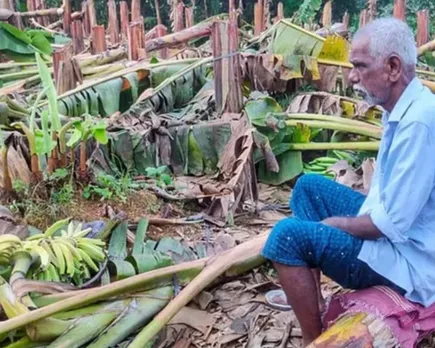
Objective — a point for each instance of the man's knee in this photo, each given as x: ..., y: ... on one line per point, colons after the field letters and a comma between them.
x: 288, y: 242
x: 305, y: 186
x: 285, y: 233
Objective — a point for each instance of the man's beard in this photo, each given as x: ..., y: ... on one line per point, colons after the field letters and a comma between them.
x: 368, y: 97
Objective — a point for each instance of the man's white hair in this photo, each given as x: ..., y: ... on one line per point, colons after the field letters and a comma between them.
x: 390, y: 36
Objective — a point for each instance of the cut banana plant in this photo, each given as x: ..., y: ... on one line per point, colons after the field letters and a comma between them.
x: 62, y: 253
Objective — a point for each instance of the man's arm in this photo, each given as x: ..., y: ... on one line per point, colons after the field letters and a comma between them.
x: 360, y: 226
x: 411, y: 181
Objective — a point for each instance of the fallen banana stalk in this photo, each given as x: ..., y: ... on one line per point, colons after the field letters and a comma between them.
x: 428, y: 47
x: 213, y: 270
x: 235, y: 261
x: 376, y: 134
x: 356, y: 146
x: 330, y: 118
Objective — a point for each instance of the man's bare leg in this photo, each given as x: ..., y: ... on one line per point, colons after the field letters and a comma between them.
x: 320, y: 299
x: 300, y: 288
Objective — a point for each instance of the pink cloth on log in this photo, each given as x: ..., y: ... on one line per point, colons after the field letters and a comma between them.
x: 409, y: 322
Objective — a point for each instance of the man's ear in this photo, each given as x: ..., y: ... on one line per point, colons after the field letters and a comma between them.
x: 394, y: 68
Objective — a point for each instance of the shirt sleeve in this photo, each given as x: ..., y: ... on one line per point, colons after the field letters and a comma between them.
x: 410, y: 182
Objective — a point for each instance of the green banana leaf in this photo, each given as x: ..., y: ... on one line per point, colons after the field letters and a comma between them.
x: 258, y: 110
x: 109, y: 96
x: 195, y: 156
x: 429, y: 57
x: 86, y: 328
x: 290, y: 166
x: 148, y: 261
x: 19, y: 46
x: 139, y: 240
x: 118, y: 268
x: 289, y: 39
x: 138, y: 313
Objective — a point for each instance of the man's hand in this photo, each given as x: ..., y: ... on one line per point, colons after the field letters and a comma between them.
x: 361, y: 226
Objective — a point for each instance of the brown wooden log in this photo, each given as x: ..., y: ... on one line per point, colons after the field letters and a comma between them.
x: 234, y: 102
x: 63, y: 68
x: 135, y: 42
x: 280, y: 11
x: 58, y: 56
x: 174, y: 39
x: 371, y: 10
x: 399, y: 9
x: 266, y: 14
x: 135, y: 11
x: 124, y: 18
x: 86, y: 20
x: 41, y: 13
x: 356, y: 330
x: 113, y: 22
x: 363, y: 18
x: 141, y: 50
x: 188, y: 14
x: 258, y: 18
x: 161, y: 32
x: 226, y: 70
x: 67, y: 16
x: 9, y: 14
x: 158, y: 16
x: 154, y: 32
x: 38, y: 7
x: 422, y: 27
x: 346, y: 20
x: 98, y: 39
x: 231, y: 6
x: 31, y: 6
x: 179, y: 17
x: 327, y: 14
x: 45, y: 20
x: 92, y: 14
x: 77, y: 36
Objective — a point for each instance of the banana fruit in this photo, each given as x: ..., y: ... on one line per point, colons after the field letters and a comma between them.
x: 320, y: 166
x: 70, y: 257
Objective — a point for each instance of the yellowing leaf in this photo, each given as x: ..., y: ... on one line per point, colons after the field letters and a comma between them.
x: 289, y: 39
x: 335, y: 49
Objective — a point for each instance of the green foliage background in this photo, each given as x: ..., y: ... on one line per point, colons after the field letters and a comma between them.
x: 214, y: 7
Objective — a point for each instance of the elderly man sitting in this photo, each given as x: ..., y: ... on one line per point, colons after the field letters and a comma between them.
x: 388, y: 237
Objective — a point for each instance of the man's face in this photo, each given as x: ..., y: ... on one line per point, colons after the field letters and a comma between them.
x: 368, y: 76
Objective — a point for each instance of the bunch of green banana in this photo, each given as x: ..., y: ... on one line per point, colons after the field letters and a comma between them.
x: 320, y: 166
x: 345, y: 155
x: 9, y: 243
x: 69, y: 258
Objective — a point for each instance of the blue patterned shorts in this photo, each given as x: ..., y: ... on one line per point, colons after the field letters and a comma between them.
x: 303, y: 241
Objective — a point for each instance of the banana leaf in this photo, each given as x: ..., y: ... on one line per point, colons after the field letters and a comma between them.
x: 133, y: 80
x: 289, y: 39
x: 195, y: 157
x: 290, y: 166
x: 86, y: 328
x: 174, y: 248
x: 118, y: 267
x: 109, y: 95
x: 19, y: 46
x: 160, y: 74
x: 336, y: 49
x: 138, y: 313
x: 257, y: 110
x: 139, y: 239
x: 149, y: 261
x: 144, y: 259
